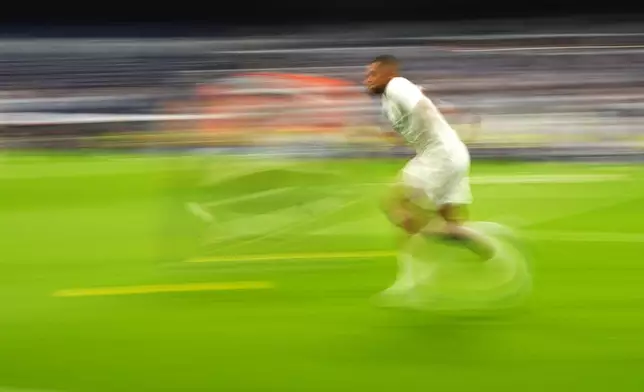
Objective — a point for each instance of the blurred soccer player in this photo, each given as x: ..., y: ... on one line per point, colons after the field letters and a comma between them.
x: 434, y: 184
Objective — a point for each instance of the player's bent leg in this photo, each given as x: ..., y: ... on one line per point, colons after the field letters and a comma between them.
x: 450, y: 191
x: 401, y: 210
x: 404, y: 214
x: 455, y: 216
x: 451, y: 195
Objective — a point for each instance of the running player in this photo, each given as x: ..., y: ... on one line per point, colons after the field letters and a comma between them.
x: 434, y: 184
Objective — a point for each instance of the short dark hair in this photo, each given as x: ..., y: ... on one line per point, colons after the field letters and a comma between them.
x: 386, y: 59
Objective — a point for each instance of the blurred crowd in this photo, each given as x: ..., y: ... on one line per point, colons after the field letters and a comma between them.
x: 581, y: 88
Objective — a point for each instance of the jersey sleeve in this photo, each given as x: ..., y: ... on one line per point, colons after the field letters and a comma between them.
x: 404, y: 93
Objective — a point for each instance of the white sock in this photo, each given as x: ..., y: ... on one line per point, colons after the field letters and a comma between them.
x: 405, y: 275
x: 406, y: 267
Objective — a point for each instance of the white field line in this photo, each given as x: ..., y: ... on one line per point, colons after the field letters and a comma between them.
x: 534, y: 179
x: 546, y: 179
x: 250, y: 196
x: 512, y: 179
x: 585, y: 236
x: 481, y: 180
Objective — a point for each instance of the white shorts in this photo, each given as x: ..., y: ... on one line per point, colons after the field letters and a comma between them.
x: 440, y: 178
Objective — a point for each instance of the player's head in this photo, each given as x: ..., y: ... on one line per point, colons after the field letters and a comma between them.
x: 379, y: 72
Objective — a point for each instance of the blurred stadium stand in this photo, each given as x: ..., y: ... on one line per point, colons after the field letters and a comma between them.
x: 535, y: 90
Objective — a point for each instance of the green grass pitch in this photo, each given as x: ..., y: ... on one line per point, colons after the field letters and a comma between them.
x: 274, y: 293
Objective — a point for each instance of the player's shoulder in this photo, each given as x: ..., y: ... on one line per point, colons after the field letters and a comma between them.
x: 400, y: 83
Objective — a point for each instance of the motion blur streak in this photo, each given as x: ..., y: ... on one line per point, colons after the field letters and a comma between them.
x: 236, y: 182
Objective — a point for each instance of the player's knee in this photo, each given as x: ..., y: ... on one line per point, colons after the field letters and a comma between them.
x: 454, y: 214
x: 410, y: 225
x: 397, y: 216
x: 406, y: 219
x: 393, y: 207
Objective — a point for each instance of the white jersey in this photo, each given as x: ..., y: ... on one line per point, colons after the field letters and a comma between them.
x: 438, y: 137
